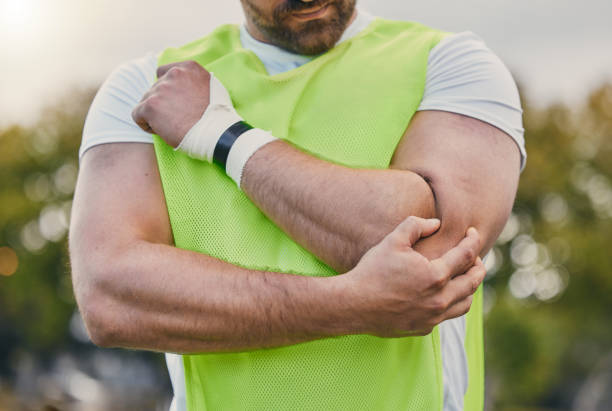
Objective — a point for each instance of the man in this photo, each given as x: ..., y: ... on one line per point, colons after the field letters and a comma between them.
x: 350, y: 114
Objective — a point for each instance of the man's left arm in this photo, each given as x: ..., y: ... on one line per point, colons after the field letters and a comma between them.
x: 456, y: 168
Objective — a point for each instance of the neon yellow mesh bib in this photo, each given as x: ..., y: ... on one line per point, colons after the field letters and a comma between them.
x: 350, y: 106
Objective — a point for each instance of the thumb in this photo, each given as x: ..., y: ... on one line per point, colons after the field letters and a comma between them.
x: 413, y: 228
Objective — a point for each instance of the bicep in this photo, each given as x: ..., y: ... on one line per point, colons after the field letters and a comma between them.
x: 472, y: 168
x: 118, y: 200
x: 119, y: 194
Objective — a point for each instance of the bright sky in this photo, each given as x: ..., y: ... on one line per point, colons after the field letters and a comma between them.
x: 557, y: 49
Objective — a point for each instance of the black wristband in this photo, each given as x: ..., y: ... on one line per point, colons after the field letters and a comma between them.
x: 227, y: 140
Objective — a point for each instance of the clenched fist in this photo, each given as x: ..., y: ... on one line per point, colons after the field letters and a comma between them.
x: 175, y: 102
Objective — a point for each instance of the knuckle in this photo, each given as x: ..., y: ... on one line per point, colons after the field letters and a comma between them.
x: 468, y: 254
x: 192, y: 64
x: 475, y: 285
x: 412, y: 223
x: 162, y: 86
x: 389, y: 243
x: 412, y: 220
x: 152, y: 103
x: 145, y: 109
x: 438, y: 280
x: 394, y: 238
x: 175, y: 71
x: 409, y: 224
x: 439, y: 305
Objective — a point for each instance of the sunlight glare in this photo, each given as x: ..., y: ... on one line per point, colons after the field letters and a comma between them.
x: 16, y: 14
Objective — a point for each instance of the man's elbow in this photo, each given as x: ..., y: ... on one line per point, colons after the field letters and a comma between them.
x: 460, y: 205
x: 98, y: 323
x: 99, y: 310
x: 410, y: 196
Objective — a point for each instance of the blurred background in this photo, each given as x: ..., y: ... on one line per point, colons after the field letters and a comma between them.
x: 548, y: 304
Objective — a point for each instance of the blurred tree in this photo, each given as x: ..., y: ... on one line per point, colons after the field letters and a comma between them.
x: 548, y: 289
x: 38, y: 174
x: 45, y: 354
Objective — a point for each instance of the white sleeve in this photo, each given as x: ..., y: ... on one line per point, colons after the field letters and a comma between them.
x: 109, y: 119
x: 465, y: 77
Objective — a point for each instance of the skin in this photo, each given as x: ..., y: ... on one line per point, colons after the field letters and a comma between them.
x: 427, y: 178
x: 136, y: 290
x: 289, y: 24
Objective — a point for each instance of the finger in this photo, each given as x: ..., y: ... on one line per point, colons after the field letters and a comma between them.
x: 162, y: 70
x: 458, y: 309
x: 138, y: 116
x: 463, y: 286
x: 461, y: 257
x: 150, y: 92
x: 409, y: 231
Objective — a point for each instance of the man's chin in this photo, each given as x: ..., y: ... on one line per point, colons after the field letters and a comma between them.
x: 311, y: 35
x: 314, y: 46
x: 314, y: 37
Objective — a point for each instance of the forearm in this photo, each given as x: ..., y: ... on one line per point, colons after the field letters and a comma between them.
x: 136, y: 290
x: 336, y: 212
x: 158, y: 297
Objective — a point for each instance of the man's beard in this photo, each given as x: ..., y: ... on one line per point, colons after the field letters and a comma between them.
x: 310, y: 37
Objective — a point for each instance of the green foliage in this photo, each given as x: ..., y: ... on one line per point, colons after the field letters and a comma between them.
x: 37, y: 178
x: 541, y: 346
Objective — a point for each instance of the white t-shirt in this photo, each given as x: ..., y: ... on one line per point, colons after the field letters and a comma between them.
x: 463, y: 77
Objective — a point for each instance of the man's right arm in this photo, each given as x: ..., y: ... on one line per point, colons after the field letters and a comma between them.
x: 136, y: 290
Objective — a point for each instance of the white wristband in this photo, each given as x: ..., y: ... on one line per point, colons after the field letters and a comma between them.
x: 201, y: 140
x: 243, y: 148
